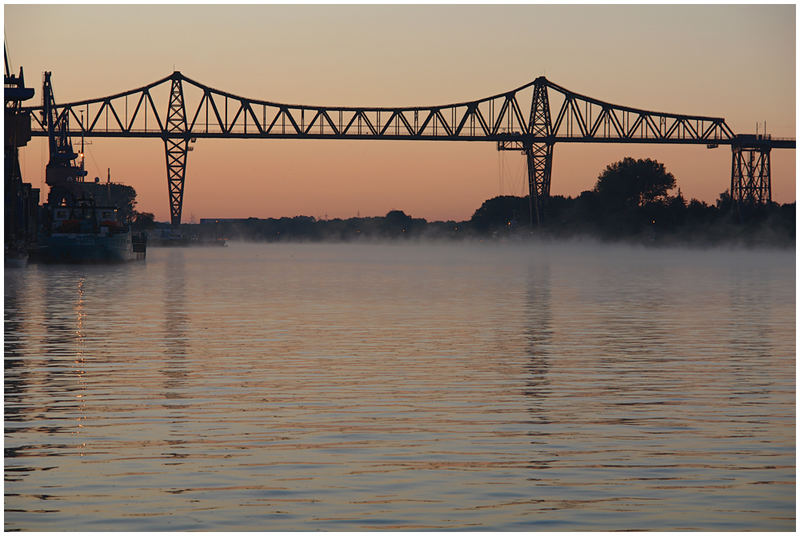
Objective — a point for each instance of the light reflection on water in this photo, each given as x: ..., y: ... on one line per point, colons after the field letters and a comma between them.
x: 352, y: 387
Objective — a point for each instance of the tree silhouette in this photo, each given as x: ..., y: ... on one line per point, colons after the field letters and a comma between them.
x: 501, y: 211
x: 634, y: 183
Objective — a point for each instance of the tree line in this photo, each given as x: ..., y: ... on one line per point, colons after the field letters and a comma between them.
x: 631, y: 201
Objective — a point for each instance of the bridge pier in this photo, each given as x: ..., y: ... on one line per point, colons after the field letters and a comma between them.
x: 751, y: 181
x: 540, y: 165
x: 539, y: 155
x: 176, y: 150
x: 176, y: 145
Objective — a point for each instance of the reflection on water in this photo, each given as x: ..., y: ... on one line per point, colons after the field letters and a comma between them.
x: 404, y: 387
x: 175, y: 321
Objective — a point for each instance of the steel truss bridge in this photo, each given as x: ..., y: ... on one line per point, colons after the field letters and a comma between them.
x: 531, y: 118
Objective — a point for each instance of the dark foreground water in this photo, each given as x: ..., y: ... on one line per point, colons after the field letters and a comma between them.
x: 352, y: 387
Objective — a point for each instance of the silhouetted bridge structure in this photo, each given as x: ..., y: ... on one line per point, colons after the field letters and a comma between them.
x: 180, y: 110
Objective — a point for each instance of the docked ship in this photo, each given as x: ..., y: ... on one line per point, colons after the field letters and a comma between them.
x: 84, y: 221
x: 86, y: 233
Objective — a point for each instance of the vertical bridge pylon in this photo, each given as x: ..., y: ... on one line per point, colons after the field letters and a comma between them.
x: 176, y: 144
x: 751, y: 180
x: 539, y: 155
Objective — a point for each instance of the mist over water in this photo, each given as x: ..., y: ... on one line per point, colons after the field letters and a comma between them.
x: 403, y: 387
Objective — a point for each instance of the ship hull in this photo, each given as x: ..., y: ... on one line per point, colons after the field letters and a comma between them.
x: 87, y: 248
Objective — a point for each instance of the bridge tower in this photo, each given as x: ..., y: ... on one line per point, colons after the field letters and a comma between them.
x: 176, y: 143
x: 751, y: 182
x: 537, y: 146
x: 539, y: 155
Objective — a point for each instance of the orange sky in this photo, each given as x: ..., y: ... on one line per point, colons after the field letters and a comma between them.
x: 736, y: 62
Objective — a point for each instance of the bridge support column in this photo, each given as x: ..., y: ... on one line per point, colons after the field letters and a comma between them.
x: 751, y: 182
x: 540, y: 165
x: 176, y: 150
x: 539, y: 154
x: 176, y: 144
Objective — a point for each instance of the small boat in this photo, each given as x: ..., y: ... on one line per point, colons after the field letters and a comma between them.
x: 85, y: 233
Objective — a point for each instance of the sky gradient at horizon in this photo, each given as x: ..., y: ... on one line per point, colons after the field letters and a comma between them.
x: 736, y: 62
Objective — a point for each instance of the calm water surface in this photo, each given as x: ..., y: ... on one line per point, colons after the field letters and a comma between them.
x: 403, y: 387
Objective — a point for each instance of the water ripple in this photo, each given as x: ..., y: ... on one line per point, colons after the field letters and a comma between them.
x: 404, y: 387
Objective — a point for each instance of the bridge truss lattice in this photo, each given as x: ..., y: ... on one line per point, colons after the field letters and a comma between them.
x: 531, y: 118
